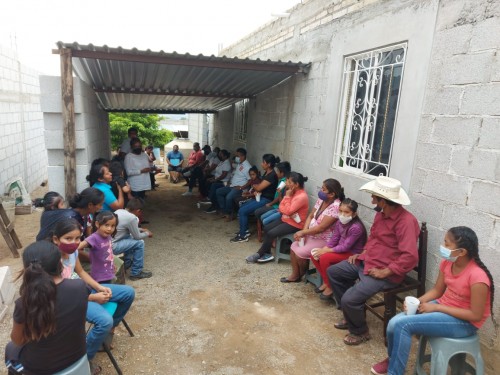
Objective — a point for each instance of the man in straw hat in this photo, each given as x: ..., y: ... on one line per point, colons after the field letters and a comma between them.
x: 390, y: 252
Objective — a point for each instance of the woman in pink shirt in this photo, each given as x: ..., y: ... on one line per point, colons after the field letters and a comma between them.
x: 457, y: 306
x: 293, y: 207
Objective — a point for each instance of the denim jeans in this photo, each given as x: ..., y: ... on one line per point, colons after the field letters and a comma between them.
x: 270, y: 216
x: 123, y: 295
x: 214, y: 188
x: 248, y: 209
x: 224, y: 198
x: 134, y: 253
x: 436, y: 324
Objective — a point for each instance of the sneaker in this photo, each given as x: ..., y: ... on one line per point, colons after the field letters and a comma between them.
x: 187, y: 193
x: 381, y: 368
x: 211, y: 210
x: 253, y: 258
x: 265, y: 258
x: 143, y: 275
x: 238, y: 239
x: 247, y: 233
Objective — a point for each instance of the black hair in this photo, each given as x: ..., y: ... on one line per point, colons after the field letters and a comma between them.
x: 241, y: 151
x: 103, y: 217
x: 96, y: 173
x: 116, y: 168
x: 101, y: 161
x: 135, y: 204
x: 333, y: 186
x: 64, y: 226
x: 297, y: 178
x: 225, y: 153
x: 41, y: 261
x: 135, y: 140
x: 150, y: 146
x: 254, y: 169
x: 466, y: 238
x: 216, y: 149
x: 284, y: 167
x: 87, y: 196
x: 271, y: 159
x: 51, y: 200
x: 132, y: 130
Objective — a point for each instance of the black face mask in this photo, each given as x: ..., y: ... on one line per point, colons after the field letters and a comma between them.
x: 137, y: 150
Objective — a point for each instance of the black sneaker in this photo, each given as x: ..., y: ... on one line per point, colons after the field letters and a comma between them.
x: 239, y: 239
x: 142, y: 275
x: 211, y: 210
x: 247, y: 233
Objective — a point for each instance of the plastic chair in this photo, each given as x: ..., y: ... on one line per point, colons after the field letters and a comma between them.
x: 312, y: 276
x: 446, y: 350
x: 110, y: 307
x: 80, y: 367
x: 279, y: 254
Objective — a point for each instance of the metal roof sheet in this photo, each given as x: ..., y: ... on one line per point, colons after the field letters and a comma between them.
x: 131, y: 80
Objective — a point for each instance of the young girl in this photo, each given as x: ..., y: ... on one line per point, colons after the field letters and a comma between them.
x: 247, y: 195
x: 66, y: 236
x: 457, y: 306
x: 101, y: 250
x: 48, y: 334
x: 349, y: 238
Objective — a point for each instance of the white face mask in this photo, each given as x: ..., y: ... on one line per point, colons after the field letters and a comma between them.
x: 345, y: 219
x: 237, y: 159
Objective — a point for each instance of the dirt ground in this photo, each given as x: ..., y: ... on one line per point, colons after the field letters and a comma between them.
x: 205, y: 311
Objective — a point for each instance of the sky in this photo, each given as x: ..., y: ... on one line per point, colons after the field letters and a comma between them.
x: 33, y: 27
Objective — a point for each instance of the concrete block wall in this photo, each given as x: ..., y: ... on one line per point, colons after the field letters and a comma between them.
x: 22, y: 148
x: 200, y: 127
x: 92, y: 131
x: 456, y: 179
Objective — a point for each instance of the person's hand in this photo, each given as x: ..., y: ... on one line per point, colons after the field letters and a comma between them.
x: 352, y: 259
x: 101, y: 297
x: 150, y: 234
x: 298, y: 235
x: 146, y: 170
x: 379, y: 273
x: 323, y: 250
x: 427, y: 307
x: 289, y: 192
x: 269, y: 204
x: 105, y: 290
x: 126, y: 188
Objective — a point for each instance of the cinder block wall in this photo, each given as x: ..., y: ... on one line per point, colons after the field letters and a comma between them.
x: 22, y: 148
x: 92, y: 131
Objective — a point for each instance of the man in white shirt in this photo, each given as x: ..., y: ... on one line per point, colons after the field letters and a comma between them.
x: 240, y: 180
x: 129, y: 239
x: 137, y: 168
x: 125, y: 146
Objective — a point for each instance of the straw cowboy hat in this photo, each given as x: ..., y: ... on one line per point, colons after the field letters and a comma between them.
x: 387, y: 188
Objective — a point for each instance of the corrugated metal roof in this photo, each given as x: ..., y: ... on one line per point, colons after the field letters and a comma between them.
x: 144, y: 81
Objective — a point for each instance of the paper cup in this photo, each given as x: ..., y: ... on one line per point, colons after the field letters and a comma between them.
x: 411, y: 305
x: 301, y: 242
x: 281, y: 185
x: 257, y: 197
x: 296, y: 217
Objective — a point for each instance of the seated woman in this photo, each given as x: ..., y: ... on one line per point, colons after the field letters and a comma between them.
x: 100, y: 178
x: 317, y: 229
x: 293, y: 208
x: 48, y: 334
x: 349, y: 238
x: 264, y: 193
x: 457, y: 306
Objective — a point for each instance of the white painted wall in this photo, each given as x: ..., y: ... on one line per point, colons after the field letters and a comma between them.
x: 22, y: 148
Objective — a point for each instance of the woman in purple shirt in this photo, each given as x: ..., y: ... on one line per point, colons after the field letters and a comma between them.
x: 349, y: 238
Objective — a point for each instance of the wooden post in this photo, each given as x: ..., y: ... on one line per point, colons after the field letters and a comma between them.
x: 68, y: 115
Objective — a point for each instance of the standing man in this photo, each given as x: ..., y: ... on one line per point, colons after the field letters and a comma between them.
x: 174, y: 160
x: 389, y: 254
x: 137, y: 168
x: 129, y: 239
x: 240, y: 180
x: 125, y: 146
x: 196, y: 158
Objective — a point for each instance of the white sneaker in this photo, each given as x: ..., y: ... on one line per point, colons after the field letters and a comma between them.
x: 187, y: 193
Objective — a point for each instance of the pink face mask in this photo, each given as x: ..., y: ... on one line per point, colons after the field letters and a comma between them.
x: 68, y: 248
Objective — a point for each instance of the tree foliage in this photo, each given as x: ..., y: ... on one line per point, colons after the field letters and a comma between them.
x: 147, y: 126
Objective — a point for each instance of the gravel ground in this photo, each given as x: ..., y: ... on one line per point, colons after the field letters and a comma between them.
x: 205, y: 311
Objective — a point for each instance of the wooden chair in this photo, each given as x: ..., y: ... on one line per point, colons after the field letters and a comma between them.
x: 391, y: 296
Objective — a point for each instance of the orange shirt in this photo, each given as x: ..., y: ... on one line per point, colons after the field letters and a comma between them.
x: 297, y: 203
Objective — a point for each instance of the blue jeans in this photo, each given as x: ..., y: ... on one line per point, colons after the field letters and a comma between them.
x: 270, y: 216
x: 123, y: 295
x: 224, y: 198
x: 214, y: 188
x: 134, y: 253
x: 402, y: 327
x: 248, y: 209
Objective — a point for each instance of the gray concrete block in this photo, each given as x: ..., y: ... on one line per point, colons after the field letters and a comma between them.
x: 425, y: 128
x: 495, y: 69
x: 485, y: 197
x: 426, y: 209
x: 490, y: 134
x: 466, y: 69
x: 494, y: 242
x: 475, y: 162
x: 480, y: 222
x: 456, y: 130
x: 433, y: 156
x: 56, y: 178
x: 442, y: 101
x: 481, y: 100
x: 486, y: 34
x: 445, y: 187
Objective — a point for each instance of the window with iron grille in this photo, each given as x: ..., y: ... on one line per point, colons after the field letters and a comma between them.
x: 241, y: 120
x: 372, y: 85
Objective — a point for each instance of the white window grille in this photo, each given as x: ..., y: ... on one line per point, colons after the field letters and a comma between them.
x: 372, y: 86
x: 241, y: 120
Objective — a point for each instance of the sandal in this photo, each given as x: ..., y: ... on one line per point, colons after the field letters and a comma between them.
x: 94, y: 368
x: 341, y: 325
x: 318, y: 290
x: 352, y: 339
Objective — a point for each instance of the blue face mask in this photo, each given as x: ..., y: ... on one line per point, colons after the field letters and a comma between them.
x: 322, y: 195
x: 446, y: 254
